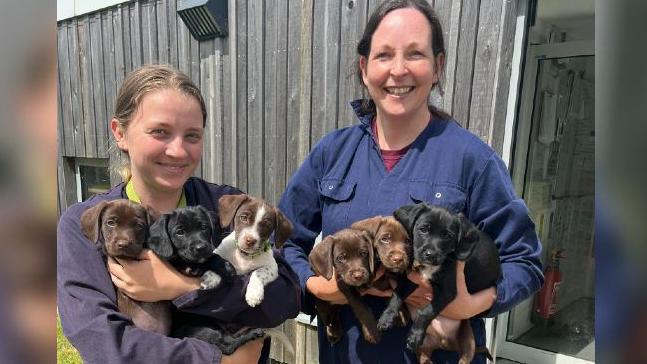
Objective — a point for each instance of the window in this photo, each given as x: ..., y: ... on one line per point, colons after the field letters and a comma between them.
x: 92, y: 177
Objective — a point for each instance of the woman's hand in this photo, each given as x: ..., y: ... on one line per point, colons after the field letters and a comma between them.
x: 326, y: 289
x: 249, y: 352
x: 467, y: 305
x: 150, y: 279
x: 464, y: 305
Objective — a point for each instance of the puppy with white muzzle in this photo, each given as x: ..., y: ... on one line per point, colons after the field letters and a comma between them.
x: 248, y: 248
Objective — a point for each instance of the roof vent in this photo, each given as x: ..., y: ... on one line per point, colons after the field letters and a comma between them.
x: 206, y: 19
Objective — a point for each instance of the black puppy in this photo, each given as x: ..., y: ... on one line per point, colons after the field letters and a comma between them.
x: 440, y: 238
x: 186, y: 238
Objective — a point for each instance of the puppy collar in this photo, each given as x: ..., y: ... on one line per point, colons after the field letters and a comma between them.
x: 265, y: 247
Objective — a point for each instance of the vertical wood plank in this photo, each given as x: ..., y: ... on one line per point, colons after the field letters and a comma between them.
x: 161, y: 11
x: 184, y: 48
x: 149, y: 32
x: 255, y: 117
x: 325, y: 68
x: 81, y: 100
x: 275, y: 99
x: 67, y: 116
x: 226, y: 47
x: 98, y: 87
x: 124, y: 21
x: 110, y: 68
x: 136, y: 48
x: 353, y: 21
x: 504, y: 72
x: 465, y: 61
x: 207, y: 89
x: 485, y: 68
x: 299, y: 78
x: 172, y: 32
x: 241, y: 95
x: 89, y: 89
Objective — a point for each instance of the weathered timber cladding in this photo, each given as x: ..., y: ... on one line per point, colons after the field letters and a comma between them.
x: 274, y: 86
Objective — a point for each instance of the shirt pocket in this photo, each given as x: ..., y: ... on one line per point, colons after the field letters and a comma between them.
x: 336, y: 197
x: 447, y: 195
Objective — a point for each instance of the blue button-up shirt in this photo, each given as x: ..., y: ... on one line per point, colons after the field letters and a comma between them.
x: 344, y: 180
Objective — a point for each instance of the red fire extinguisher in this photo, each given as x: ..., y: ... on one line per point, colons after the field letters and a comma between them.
x: 546, y: 303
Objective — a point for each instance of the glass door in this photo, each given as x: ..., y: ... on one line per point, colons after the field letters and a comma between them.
x: 553, y: 169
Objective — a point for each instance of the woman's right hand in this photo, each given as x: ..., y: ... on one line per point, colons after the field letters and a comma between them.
x: 247, y: 353
x: 326, y: 289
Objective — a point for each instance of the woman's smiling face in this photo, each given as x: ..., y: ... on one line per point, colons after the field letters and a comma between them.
x: 401, y: 68
x: 164, y: 140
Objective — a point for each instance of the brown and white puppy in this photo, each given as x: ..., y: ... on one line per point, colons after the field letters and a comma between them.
x: 394, y: 252
x: 248, y: 248
x: 349, y: 254
x: 120, y: 228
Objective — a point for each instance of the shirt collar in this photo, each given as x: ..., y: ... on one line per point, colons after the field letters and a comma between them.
x: 132, y: 195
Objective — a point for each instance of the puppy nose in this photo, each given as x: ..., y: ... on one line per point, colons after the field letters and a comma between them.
x: 396, y: 258
x: 202, y: 248
x: 427, y: 254
x: 250, y: 241
x: 358, y: 274
x: 123, y: 243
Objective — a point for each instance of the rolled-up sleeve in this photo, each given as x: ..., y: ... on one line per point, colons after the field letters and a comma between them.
x: 495, y: 208
x: 90, y: 317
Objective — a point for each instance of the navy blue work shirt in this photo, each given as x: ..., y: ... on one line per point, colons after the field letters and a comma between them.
x: 344, y: 180
x: 87, y: 302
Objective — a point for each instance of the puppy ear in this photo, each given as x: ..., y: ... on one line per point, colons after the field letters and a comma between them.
x: 159, y: 240
x: 407, y: 215
x: 227, y: 207
x: 370, y: 225
x: 371, y: 251
x: 321, y: 257
x: 91, y: 221
x: 468, y: 236
x: 151, y: 215
x: 283, y: 229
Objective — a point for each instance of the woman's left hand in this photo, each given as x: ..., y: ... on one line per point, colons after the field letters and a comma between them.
x: 467, y: 305
x: 464, y: 305
x: 150, y: 279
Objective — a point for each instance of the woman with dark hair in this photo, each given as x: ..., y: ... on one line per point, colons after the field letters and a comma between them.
x: 405, y: 151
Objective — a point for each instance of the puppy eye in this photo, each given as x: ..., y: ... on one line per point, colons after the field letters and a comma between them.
x: 385, y: 240
x: 204, y: 227
x: 140, y: 226
x: 341, y: 258
x: 244, y: 219
x: 111, y: 223
x: 179, y: 232
x: 424, y: 229
x: 363, y: 253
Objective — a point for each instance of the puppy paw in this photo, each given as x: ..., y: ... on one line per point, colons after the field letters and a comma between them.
x: 415, y: 339
x: 371, y: 336
x: 210, y: 280
x: 255, y: 293
x: 385, y: 322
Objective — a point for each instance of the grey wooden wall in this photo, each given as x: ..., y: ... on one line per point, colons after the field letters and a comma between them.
x: 280, y: 81
x: 276, y: 84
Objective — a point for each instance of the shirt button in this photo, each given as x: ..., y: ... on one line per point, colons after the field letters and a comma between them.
x: 438, y: 195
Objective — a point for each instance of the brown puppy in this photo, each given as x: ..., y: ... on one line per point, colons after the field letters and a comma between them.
x: 349, y: 254
x: 394, y: 251
x: 119, y: 228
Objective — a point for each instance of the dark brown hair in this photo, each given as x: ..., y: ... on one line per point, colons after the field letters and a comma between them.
x: 364, y: 45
